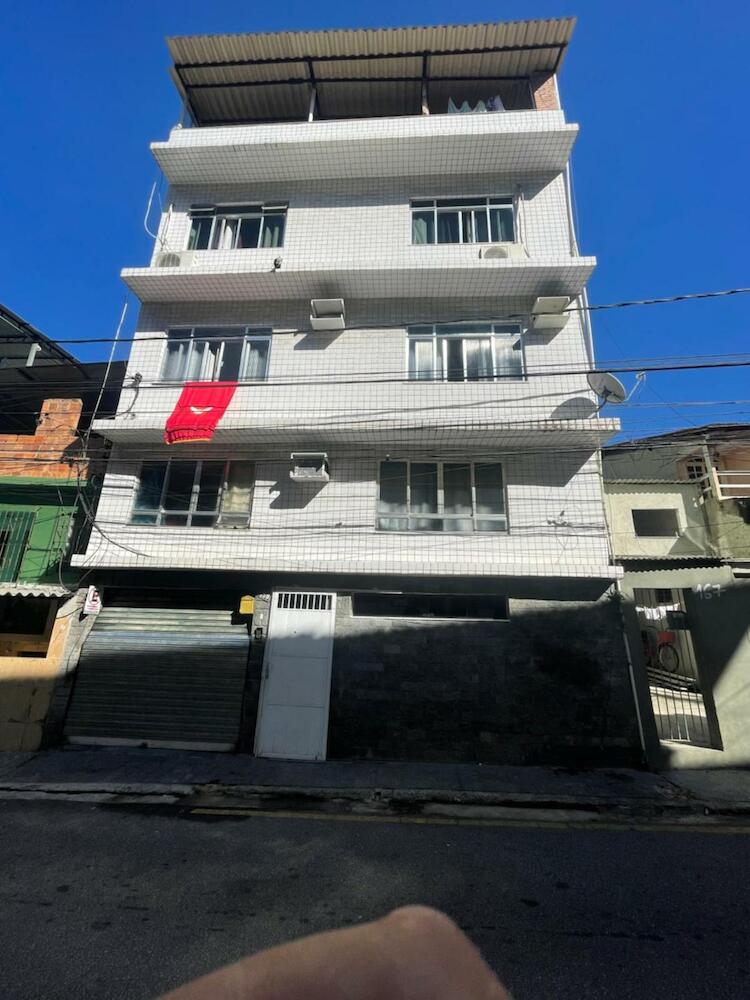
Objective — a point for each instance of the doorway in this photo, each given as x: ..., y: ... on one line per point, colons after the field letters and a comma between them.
x: 296, y: 686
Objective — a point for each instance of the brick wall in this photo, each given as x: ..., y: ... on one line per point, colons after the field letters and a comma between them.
x: 550, y: 686
x: 544, y: 91
x: 53, y: 451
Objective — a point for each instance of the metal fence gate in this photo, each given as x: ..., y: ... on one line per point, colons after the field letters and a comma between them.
x: 672, y: 668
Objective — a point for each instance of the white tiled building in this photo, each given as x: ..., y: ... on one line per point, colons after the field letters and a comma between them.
x: 454, y: 430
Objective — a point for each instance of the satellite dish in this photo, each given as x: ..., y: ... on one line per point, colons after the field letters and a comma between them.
x: 608, y: 388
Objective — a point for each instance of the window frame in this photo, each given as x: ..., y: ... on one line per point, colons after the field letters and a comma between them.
x: 249, y: 334
x: 219, y: 214
x: 502, y: 201
x: 440, y: 514
x: 657, y: 510
x: 161, y: 511
x: 432, y: 618
x: 441, y: 330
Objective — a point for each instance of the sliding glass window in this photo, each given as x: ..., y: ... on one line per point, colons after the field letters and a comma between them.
x: 237, y: 227
x: 194, y: 494
x: 460, y: 497
x: 216, y: 354
x: 463, y: 220
x: 466, y: 352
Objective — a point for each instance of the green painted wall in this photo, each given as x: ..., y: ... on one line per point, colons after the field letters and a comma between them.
x: 47, y: 507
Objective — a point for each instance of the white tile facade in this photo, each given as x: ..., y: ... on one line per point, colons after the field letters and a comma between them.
x: 348, y: 394
x: 367, y: 147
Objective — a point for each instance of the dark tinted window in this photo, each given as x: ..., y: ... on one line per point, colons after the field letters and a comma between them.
x: 430, y: 606
x: 656, y: 523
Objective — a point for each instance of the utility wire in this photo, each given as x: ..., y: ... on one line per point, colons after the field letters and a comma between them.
x: 691, y: 296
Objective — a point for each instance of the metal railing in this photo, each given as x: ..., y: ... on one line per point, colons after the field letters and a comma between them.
x: 726, y: 484
x: 15, y: 529
x: 672, y: 668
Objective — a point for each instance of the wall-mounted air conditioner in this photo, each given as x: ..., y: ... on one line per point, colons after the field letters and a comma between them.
x: 548, y: 313
x: 503, y: 251
x: 309, y: 467
x: 170, y: 258
x: 327, y: 314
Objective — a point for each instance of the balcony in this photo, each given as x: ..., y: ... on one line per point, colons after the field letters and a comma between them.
x: 407, y: 272
x: 516, y: 142
x: 727, y: 484
x: 313, y: 416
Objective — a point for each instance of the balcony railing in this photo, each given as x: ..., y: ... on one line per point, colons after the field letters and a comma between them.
x: 727, y: 484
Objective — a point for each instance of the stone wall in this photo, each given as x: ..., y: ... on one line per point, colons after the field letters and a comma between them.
x: 549, y: 686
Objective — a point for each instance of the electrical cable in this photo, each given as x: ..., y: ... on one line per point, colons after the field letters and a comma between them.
x: 353, y: 327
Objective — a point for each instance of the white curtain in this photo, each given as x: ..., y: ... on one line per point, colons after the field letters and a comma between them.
x: 256, y: 359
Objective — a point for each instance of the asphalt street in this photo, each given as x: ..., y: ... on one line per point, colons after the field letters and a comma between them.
x: 124, y: 903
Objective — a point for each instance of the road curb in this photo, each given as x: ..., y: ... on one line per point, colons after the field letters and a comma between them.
x: 378, y: 801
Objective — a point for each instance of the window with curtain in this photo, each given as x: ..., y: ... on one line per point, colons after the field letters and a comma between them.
x: 465, y: 352
x: 463, y: 220
x: 216, y: 354
x: 237, y: 227
x: 194, y: 494
x: 459, y: 497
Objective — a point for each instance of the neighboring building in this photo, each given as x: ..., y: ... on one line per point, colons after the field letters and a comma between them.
x: 679, y: 512
x: 417, y: 517
x: 44, y: 474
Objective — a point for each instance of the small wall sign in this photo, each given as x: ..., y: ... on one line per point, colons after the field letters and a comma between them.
x: 93, y: 603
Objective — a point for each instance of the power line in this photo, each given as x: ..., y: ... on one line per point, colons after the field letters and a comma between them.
x: 353, y: 327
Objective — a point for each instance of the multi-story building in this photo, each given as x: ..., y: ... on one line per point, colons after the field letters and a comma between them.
x: 678, y: 506
x: 367, y: 267
x: 47, y: 398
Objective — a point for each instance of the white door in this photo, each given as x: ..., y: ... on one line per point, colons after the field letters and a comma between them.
x: 296, y: 687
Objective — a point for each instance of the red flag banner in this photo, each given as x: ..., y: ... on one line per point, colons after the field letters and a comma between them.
x: 199, y: 409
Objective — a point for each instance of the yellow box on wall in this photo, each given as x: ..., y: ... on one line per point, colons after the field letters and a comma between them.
x: 247, y: 605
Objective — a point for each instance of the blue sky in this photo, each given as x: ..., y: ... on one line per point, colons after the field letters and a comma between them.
x: 660, y: 169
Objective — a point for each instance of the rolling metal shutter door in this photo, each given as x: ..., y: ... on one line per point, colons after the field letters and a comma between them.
x: 160, y: 676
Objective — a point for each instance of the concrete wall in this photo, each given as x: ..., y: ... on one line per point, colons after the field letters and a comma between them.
x: 621, y: 499
x: 729, y: 522
x: 356, y: 382
x: 719, y: 618
x: 332, y: 527
x: 29, y: 685
x: 549, y: 686
x: 353, y: 220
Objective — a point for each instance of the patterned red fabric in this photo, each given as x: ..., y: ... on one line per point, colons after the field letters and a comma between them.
x: 199, y: 409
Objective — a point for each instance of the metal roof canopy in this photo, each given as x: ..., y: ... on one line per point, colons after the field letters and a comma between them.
x: 17, y: 336
x: 226, y: 79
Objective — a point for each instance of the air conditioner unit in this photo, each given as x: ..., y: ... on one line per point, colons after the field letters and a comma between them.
x: 309, y: 467
x: 503, y: 251
x: 169, y: 258
x: 548, y: 313
x: 327, y: 314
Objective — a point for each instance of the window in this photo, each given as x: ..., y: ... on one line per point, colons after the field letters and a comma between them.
x: 695, y: 469
x: 216, y: 354
x: 463, y: 220
x: 656, y: 523
x: 465, y: 352
x: 237, y: 227
x: 200, y: 494
x: 441, y: 496
x: 430, y: 606
x: 25, y: 615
